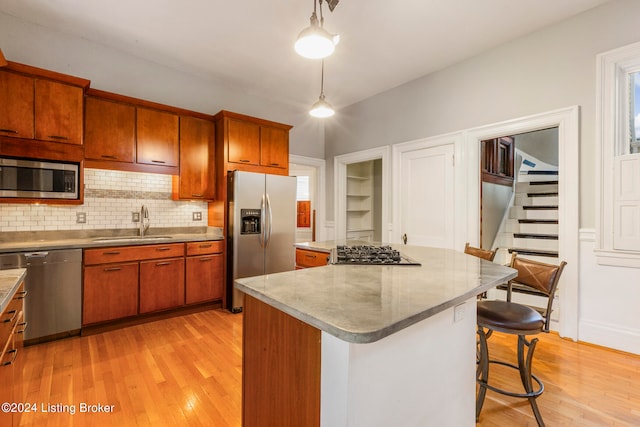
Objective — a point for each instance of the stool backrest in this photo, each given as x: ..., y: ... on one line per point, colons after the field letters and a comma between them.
x: 540, y: 276
x: 480, y: 253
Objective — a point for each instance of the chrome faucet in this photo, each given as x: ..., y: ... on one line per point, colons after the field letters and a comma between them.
x: 144, y: 220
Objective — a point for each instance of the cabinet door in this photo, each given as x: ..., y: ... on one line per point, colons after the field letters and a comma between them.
x: 110, y: 130
x: 161, y: 284
x: 205, y: 276
x: 16, y: 105
x: 274, y: 147
x: 244, y: 142
x: 157, y: 142
x: 196, y: 159
x: 59, y: 110
x: 6, y: 391
x: 110, y: 292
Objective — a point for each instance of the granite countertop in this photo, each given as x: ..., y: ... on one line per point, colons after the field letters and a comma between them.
x: 38, y: 241
x: 365, y: 303
x: 9, y: 282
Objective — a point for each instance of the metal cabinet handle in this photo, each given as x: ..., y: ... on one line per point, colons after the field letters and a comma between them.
x: 205, y: 259
x: 163, y: 249
x: 112, y: 269
x: 310, y: 256
x: 9, y: 131
x: 21, y: 294
x: 274, y: 164
x: 206, y: 245
x: 15, y: 354
x: 160, y: 264
x: 197, y: 195
x: 111, y: 253
x: 158, y: 161
x: 108, y: 156
x: 404, y: 238
x: 64, y: 138
x: 15, y: 313
x: 24, y: 328
x: 245, y: 160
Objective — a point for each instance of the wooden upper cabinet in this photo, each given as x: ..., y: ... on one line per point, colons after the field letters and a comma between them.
x: 58, y: 112
x: 197, y: 151
x: 157, y: 142
x: 244, y: 142
x: 274, y: 147
x: 497, y: 160
x: 16, y: 105
x: 110, y: 130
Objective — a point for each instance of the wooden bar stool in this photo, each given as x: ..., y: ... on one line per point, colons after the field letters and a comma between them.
x: 521, y: 320
x: 480, y: 253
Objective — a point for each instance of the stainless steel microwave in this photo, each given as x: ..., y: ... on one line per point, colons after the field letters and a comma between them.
x: 36, y: 179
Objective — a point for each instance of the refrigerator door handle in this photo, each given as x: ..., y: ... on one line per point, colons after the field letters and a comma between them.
x: 269, y: 212
x: 263, y: 228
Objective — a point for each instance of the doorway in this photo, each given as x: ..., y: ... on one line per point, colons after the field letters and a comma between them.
x: 519, y: 195
x: 362, y: 180
x: 310, y: 222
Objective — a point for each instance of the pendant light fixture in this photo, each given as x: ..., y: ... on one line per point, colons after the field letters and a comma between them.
x: 315, y: 42
x: 322, y: 108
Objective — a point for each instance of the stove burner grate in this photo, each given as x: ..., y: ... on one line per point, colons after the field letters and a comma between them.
x: 370, y: 255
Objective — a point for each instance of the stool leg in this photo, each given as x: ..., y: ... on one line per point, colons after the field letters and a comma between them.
x: 525, y: 373
x: 482, y: 371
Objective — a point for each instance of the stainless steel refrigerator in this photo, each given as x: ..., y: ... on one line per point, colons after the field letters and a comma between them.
x: 261, y: 228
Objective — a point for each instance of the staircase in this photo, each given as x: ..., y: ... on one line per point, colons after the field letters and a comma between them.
x: 531, y: 230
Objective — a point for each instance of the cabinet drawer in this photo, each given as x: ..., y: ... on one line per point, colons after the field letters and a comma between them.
x: 10, y: 316
x: 132, y: 253
x: 306, y: 258
x: 204, y: 248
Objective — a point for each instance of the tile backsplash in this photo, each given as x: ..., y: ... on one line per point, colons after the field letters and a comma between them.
x: 110, y: 197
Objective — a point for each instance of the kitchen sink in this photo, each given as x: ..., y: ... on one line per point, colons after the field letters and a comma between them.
x: 131, y: 239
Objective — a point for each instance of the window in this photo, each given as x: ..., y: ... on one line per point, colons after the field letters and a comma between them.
x: 618, y: 168
x: 634, y: 108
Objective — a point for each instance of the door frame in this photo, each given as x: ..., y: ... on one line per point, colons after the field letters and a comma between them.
x: 320, y: 202
x: 567, y: 120
x: 340, y: 184
x: 455, y: 139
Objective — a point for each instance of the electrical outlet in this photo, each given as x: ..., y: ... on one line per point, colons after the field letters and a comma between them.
x: 81, y: 217
x: 458, y: 312
x: 135, y: 216
x: 197, y: 216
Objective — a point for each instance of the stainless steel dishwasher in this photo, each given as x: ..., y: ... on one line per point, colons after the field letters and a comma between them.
x: 53, y: 305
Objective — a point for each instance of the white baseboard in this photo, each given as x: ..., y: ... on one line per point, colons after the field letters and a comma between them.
x: 612, y: 336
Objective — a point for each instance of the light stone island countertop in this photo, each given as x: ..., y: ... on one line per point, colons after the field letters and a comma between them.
x: 9, y: 281
x: 365, y: 303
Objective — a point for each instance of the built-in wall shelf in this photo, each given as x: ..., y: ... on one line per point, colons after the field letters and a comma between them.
x: 360, y: 201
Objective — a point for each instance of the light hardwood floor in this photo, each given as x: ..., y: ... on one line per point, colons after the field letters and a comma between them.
x: 186, y: 371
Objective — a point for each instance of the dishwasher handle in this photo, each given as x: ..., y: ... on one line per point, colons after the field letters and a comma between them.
x: 29, y: 255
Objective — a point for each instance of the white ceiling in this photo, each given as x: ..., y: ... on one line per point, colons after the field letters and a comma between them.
x: 249, y: 43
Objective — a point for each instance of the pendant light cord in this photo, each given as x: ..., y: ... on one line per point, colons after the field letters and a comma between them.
x: 322, y: 80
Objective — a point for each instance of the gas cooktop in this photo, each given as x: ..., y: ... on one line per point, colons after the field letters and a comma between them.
x: 369, y: 255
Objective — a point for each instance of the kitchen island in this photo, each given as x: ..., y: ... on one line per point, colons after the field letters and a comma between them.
x: 365, y: 345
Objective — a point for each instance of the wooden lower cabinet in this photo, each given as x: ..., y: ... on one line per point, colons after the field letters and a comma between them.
x: 204, y: 278
x: 126, y: 281
x: 306, y: 258
x: 12, y: 328
x: 161, y: 284
x: 110, y: 292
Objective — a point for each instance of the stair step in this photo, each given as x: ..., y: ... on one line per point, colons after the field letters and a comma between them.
x: 541, y: 207
x: 522, y: 200
x: 545, y: 194
x: 535, y: 236
x: 521, y: 251
x: 538, y: 172
x: 535, y: 213
x: 543, y: 183
x: 535, y: 226
x: 533, y: 244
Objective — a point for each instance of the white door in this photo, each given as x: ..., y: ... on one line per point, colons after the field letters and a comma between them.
x: 427, y: 209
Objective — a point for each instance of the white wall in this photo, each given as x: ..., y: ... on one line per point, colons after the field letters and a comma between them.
x: 122, y: 73
x: 551, y: 69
